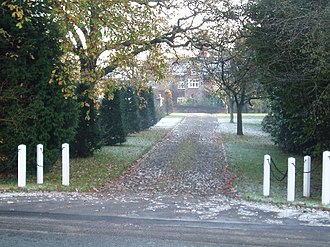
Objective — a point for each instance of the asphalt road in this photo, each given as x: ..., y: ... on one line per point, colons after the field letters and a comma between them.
x: 47, y: 229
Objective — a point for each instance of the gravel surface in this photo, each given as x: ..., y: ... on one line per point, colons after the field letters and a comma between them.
x: 190, y: 160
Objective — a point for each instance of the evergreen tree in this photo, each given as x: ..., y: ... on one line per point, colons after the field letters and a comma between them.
x: 152, y: 109
x: 147, y: 108
x: 290, y: 40
x: 132, y: 110
x: 88, y: 136
x: 143, y: 110
x: 112, y: 120
x: 33, y: 109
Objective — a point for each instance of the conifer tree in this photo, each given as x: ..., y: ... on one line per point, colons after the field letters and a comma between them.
x: 152, y: 109
x: 88, y: 137
x: 147, y: 108
x: 33, y: 109
x: 112, y: 120
x: 132, y: 110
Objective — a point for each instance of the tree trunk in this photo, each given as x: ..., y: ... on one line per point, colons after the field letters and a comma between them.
x: 239, y: 119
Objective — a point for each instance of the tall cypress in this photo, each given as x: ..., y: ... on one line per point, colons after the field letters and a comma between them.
x: 88, y: 137
x: 132, y: 110
x: 147, y: 108
x: 112, y: 119
x: 151, y: 107
x: 32, y: 110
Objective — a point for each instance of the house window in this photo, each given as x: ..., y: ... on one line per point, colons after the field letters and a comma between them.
x: 180, y: 100
x: 181, y: 85
x: 193, y: 84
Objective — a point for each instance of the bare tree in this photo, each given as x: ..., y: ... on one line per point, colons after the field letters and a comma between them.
x: 231, y: 71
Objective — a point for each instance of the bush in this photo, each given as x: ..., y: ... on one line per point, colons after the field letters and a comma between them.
x: 267, y: 123
x: 293, y: 67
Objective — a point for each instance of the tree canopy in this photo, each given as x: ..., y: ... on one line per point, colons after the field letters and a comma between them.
x: 104, y: 36
x: 290, y: 40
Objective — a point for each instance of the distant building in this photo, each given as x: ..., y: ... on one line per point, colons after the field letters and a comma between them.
x: 190, y: 86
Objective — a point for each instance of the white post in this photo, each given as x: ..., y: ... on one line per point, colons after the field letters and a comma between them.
x: 267, y: 164
x: 40, y: 164
x: 21, y: 165
x: 307, y: 176
x: 326, y: 178
x: 291, y: 179
x: 65, y: 164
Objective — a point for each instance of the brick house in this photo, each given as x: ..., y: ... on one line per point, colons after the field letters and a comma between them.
x: 188, y: 85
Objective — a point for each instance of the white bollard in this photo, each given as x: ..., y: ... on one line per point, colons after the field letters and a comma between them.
x: 291, y: 179
x: 326, y: 178
x: 307, y: 176
x: 21, y: 165
x: 65, y: 164
x: 40, y: 164
x: 267, y: 164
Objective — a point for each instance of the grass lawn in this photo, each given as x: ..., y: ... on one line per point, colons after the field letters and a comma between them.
x: 92, y: 173
x: 245, y: 157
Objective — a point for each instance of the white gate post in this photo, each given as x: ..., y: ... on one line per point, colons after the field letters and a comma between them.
x: 40, y: 164
x: 65, y: 164
x: 267, y: 164
x: 21, y: 165
x: 291, y: 179
x: 326, y: 178
x: 307, y: 176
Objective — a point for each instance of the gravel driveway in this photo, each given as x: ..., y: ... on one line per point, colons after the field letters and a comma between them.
x: 184, y: 177
x: 189, y: 160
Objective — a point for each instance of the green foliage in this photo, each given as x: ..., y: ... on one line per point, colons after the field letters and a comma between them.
x: 267, y: 123
x: 152, y: 109
x: 17, y: 10
x: 91, y: 33
x: 32, y: 109
x: 132, y: 110
x: 126, y: 113
x: 88, y: 137
x: 290, y: 40
x: 112, y: 120
x: 147, y: 108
